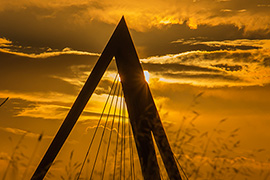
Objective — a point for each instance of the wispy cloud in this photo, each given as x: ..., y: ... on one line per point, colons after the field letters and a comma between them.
x: 207, y: 68
x: 7, y: 46
x: 213, y: 68
x: 56, y: 111
x: 39, y: 97
x: 52, y: 105
x: 16, y: 131
x: 45, y: 111
x: 256, y: 43
x: 48, y: 54
x: 42, y: 104
x: 4, y: 42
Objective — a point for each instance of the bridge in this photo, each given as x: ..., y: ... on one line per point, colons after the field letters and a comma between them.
x: 144, y: 123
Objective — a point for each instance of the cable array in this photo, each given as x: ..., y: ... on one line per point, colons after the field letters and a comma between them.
x: 112, y: 153
x: 112, y: 143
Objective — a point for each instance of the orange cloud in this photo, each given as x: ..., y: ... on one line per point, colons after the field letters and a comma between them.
x: 213, y: 68
x: 48, y: 54
x: 20, y: 132
x: 192, y: 23
x: 142, y: 15
x: 4, y: 42
x: 47, y: 97
x: 260, y: 43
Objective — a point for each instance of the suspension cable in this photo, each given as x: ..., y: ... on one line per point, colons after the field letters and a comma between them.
x: 103, y: 132
x: 116, y: 90
x: 124, y: 136
x: 180, y: 167
x: 121, y: 142
x: 117, y: 136
x: 90, y: 145
x: 109, y: 142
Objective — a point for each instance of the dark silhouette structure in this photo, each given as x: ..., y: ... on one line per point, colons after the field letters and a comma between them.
x: 142, y: 111
x: 4, y: 102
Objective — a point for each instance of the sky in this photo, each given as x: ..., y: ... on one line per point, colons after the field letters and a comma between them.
x: 210, y: 57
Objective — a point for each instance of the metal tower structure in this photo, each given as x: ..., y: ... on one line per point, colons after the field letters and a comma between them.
x: 144, y: 118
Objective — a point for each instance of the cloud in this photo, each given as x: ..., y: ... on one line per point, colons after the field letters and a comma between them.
x: 46, y: 105
x: 266, y: 62
x: 50, y: 81
x: 252, y: 15
x: 56, y: 111
x: 202, y: 76
x: 64, y: 29
x: 208, y: 68
x: 175, y: 67
x: 4, y: 42
x: 24, y: 73
x: 65, y: 51
x: 52, y: 105
x: 14, y: 131
x: 21, y: 132
x: 229, y: 68
x: 41, y: 97
x: 254, y: 43
x: 212, y: 68
x: 45, y: 111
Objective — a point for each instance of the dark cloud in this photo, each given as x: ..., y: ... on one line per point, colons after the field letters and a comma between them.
x: 215, y: 45
x: 236, y: 56
x: 228, y: 67
x: 98, y: 115
x: 104, y: 87
x: 199, y: 76
x: 175, y: 67
x: 158, y: 41
x: 266, y: 62
x: 53, y: 28
x: 240, y: 67
x: 66, y: 26
x: 26, y: 74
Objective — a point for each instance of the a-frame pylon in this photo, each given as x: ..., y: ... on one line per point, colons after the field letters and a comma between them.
x: 143, y: 114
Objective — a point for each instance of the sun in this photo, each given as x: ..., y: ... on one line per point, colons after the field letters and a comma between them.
x: 146, y: 76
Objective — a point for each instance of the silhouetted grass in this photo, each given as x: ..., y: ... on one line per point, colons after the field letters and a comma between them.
x: 32, y: 156
x: 15, y: 158
x: 71, y: 169
x: 212, y: 154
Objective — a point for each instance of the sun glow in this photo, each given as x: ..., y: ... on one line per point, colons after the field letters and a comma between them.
x: 146, y: 76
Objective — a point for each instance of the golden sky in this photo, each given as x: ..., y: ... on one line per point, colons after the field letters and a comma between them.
x: 220, y: 48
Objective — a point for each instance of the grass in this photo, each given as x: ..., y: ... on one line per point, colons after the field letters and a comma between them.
x: 15, y: 159
x: 71, y: 169
x: 212, y: 154
x: 32, y: 156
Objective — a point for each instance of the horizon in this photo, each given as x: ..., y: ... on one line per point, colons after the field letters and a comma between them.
x: 209, y: 59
